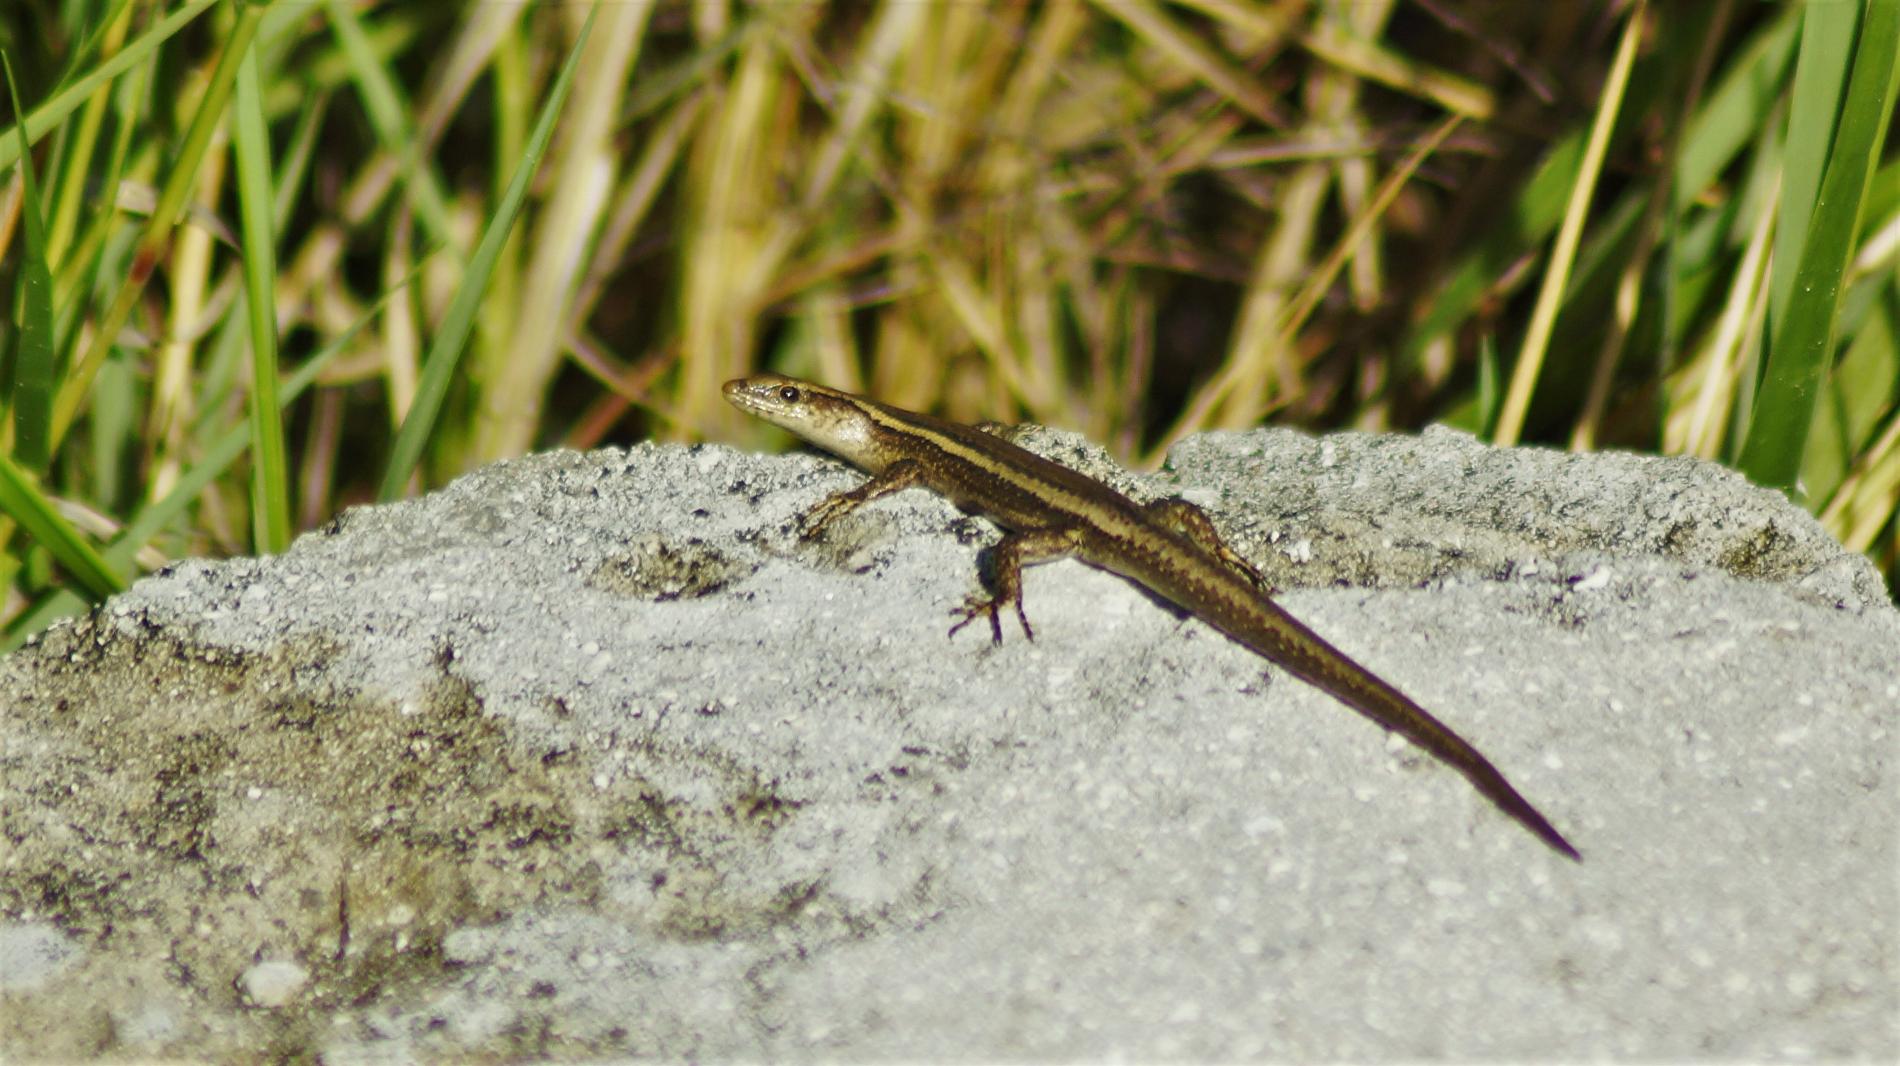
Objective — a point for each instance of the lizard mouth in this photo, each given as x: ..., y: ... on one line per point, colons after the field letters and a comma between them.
x: 747, y: 395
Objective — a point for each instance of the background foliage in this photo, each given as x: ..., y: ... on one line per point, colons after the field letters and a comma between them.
x: 269, y: 260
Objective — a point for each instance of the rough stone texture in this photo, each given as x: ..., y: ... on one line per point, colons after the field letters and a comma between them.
x: 587, y: 755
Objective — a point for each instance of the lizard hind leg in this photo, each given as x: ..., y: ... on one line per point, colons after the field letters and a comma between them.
x: 1183, y: 518
x: 1008, y: 558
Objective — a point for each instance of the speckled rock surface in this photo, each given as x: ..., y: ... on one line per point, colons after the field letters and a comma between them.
x: 588, y: 756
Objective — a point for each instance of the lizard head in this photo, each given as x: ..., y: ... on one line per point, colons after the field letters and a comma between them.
x: 832, y: 420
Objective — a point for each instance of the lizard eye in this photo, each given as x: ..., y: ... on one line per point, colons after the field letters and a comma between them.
x: 788, y: 393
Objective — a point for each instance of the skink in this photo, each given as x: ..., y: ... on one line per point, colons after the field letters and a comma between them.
x: 1049, y: 511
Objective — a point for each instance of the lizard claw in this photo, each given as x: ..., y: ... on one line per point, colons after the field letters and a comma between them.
x: 976, y: 606
x: 812, y: 524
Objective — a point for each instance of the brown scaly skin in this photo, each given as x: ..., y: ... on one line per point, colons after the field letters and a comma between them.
x: 1050, y: 511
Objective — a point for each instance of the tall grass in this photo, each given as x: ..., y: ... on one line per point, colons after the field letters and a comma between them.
x: 262, y: 261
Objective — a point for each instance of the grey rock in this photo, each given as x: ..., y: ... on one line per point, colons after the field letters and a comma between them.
x: 272, y: 983
x: 33, y: 953
x: 588, y: 755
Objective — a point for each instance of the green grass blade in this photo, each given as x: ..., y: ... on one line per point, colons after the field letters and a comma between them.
x: 218, y: 457
x: 1804, y: 341
x: 1733, y: 113
x: 270, y: 495
x: 1490, y: 386
x: 450, y: 342
x: 1530, y: 360
x: 34, y: 375
x: 158, y: 229
x: 1740, y: 102
x: 79, y: 265
x: 1820, y: 76
x: 72, y: 97
x: 21, y: 499
x: 227, y: 448
x: 389, y: 117
x: 296, y: 159
x: 72, y: 179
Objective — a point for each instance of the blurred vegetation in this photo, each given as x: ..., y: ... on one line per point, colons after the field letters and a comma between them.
x: 270, y: 260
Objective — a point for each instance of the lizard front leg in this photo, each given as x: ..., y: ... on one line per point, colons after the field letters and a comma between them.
x: 896, y: 477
